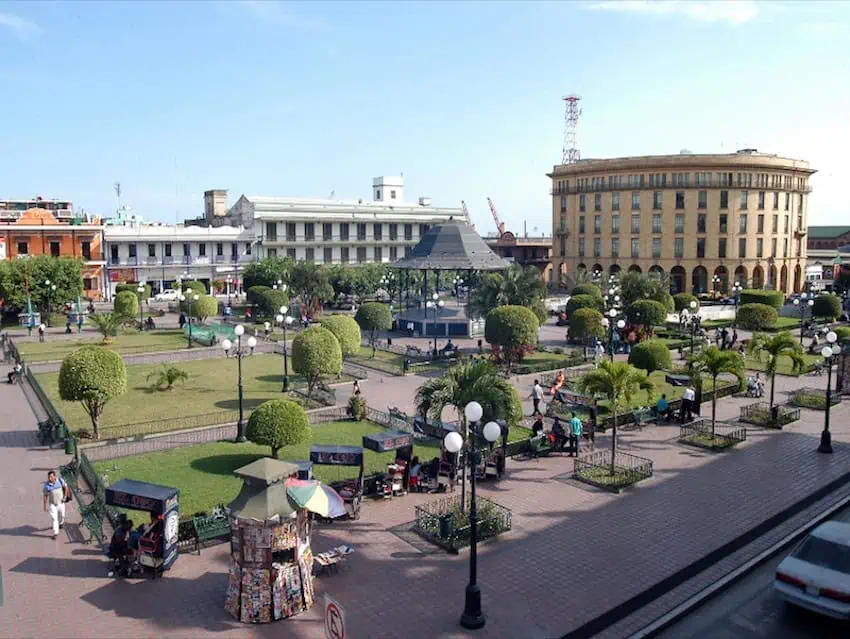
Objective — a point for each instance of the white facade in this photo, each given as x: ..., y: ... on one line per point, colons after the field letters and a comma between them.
x: 163, y: 255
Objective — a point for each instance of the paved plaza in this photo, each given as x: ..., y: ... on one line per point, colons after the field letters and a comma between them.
x: 574, y: 553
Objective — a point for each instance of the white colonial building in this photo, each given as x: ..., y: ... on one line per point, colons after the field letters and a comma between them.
x: 329, y: 231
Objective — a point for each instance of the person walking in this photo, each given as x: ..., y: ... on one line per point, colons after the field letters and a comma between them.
x: 56, y: 491
x: 536, y: 396
x: 688, y: 404
x: 576, y: 428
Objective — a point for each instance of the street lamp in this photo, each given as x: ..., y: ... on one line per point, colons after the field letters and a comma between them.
x: 279, y: 285
x: 472, y: 617
x: 226, y: 345
x: 285, y: 320
x: 737, y: 288
x: 386, y: 282
x: 803, y: 302
x: 694, y: 319
x: 437, y: 304
x: 611, y: 298
x: 141, y: 291
x: 51, y: 289
x: 457, y: 282
x: 715, y: 282
x: 830, y: 354
x: 189, y: 296
x: 229, y: 280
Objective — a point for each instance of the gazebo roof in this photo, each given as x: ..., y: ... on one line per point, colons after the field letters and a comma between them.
x: 452, y: 245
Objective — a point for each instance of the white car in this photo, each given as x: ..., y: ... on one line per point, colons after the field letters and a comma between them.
x: 816, y: 575
x: 168, y: 295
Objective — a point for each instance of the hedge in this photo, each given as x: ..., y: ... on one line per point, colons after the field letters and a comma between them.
x: 682, y: 301
x: 347, y: 332
x: 584, y: 301
x: 843, y: 333
x: 278, y: 423
x: 199, y: 287
x: 757, y: 317
x: 651, y: 355
x: 586, y: 322
x: 828, y: 306
x: 254, y: 294
x: 762, y: 296
x: 512, y: 328
x: 586, y: 289
x: 646, y: 313
x: 131, y: 287
x: 126, y: 304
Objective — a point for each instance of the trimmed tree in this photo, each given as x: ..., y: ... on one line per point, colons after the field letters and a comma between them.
x: 126, y: 305
x: 347, y: 332
x: 92, y: 375
x: 372, y: 318
x: 682, y: 301
x: 828, y: 306
x: 132, y: 287
x: 586, y: 288
x: 586, y: 322
x: 278, y: 423
x: 513, y: 329
x: 762, y: 296
x: 202, y: 308
x: 107, y: 324
x: 843, y: 333
x: 651, y: 355
x: 271, y: 300
x: 584, y: 301
x: 316, y: 354
x: 769, y: 349
x: 648, y: 313
x: 254, y: 295
x: 199, y: 287
x: 757, y: 317
x: 712, y: 362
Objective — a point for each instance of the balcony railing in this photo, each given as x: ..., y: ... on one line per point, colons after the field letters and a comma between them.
x: 220, y: 259
x: 572, y: 190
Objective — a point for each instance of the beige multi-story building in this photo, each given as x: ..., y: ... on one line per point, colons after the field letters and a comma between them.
x: 705, y: 221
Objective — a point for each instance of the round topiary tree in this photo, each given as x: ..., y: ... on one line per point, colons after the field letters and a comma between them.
x: 828, y: 306
x: 132, y: 287
x: 682, y: 301
x: 584, y: 301
x: 762, y: 296
x: 513, y: 329
x: 651, y: 355
x: 199, y: 287
x: 278, y: 423
x: 202, y: 308
x: 126, y: 304
x: 347, y: 332
x: 374, y: 317
x: 586, y: 322
x: 271, y: 300
x: 757, y: 317
x: 843, y: 333
x: 647, y: 313
x: 92, y: 375
x: 586, y: 289
x: 254, y: 295
x: 315, y: 354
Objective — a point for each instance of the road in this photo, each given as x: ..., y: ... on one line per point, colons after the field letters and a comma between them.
x: 750, y: 610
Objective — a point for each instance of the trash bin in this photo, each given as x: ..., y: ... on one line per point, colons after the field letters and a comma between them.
x: 445, y: 526
x: 61, y: 432
x: 389, y: 341
x: 70, y: 446
x: 406, y: 366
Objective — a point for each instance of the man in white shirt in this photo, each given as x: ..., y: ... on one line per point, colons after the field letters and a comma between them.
x: 55, y: 491
x: 688, y: 403
x: 536, y: 396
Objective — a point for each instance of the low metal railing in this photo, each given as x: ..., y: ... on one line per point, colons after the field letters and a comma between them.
x: 760, y: 414
x: 813, y: 398
x: 444, y: 523
x: 700, y: 433
x: 596, y: 469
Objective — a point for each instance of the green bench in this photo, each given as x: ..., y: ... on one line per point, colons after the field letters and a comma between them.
x: 93, y: 516
x: 212, y: 527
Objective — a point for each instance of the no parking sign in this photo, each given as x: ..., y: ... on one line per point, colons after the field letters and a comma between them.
x: 334, y: 619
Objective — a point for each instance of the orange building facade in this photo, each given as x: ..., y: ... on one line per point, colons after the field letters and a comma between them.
x: 38, y: 232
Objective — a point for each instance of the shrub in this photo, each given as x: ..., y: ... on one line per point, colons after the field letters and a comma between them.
x: 131, y: 287
x: 356, y: 408
x: 586, y: 289
x: 538, y: 307
x: 647, y: 313
x: 166, y: 376
x: 254, y: 295
x: 586, y: 322
x: 651, y: 355
x: 762, y: 296
x: 513, y: 329
x: 315, y: 354
x: 347, y: 332
x: 92, y: 375
x: 682, y: 301
x: 126, y: 304
x: 373, y: 317
x: 584, y: 301
x: 828, y: 306
x: 202, y: 308
x: 271, y: 300
x: 219, y: 286
x: 199, y: 287
x: 843, y: 333
x: 756, y: 317
x: 278, y: 423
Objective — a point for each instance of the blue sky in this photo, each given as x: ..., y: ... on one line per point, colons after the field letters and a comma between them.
x: 302, y: 99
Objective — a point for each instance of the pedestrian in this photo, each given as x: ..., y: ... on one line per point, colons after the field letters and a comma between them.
x: 536, y: 396
x: 537, y: 426
x: 599, y: 351
x: 41, y: 332
x: 688, y: 404
x: 356, y: 388
x: 181, y: 321
x: 56, y: 493
x: 724, y: 334
x: 576, y: 429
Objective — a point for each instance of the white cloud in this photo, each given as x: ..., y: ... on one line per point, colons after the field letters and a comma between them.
x: 278, y: 13
x: 21, y: 27
x: 736, y: 12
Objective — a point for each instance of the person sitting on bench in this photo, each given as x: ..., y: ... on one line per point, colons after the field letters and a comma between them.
x: 449, y: 347
x: 537, y: 426
x: 15, y: 373
x: 120, y: 551
x: 662, y: 407
x: 561, y: 437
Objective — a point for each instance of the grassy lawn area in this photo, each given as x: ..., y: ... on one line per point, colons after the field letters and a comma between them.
x: 211, y: 388
x: 782, y: 324
x: 204, y: 473
x: 126, y: 343
x: 784, y: 367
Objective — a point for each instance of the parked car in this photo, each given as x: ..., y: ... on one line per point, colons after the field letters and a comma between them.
x: 168, y: 295
x: 816, y: 575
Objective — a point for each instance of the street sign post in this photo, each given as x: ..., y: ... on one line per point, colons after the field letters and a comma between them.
x: 334, y: 619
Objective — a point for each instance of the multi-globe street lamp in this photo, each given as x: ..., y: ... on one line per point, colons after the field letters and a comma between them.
x: 716, y: 281
x: 830, y: 354
x: 229, y: 280
x: 436, y: 304
x: 611, y: 299
x: 51, y: 290
x: 472, y: 617
x: 284, y: 320
x: 457, y: 282
x: 736, y: 289
x: 803, y: 301
x: 386, y: 283
x: 140, y: 289
x: 190, y: 296
x: 226, y: 345
x: 610, y: 324
x: 694, y: 320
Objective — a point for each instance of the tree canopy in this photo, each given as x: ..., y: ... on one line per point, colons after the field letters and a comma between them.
x: 278, y: 423
x: 17, y: 277
x: 92, y: 375
x: 517, y: 286
x: 316, y: 354
x: 267, y: 272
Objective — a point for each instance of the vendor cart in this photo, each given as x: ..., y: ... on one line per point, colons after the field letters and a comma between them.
x: 351, y: 490
x: 395, y: 482
x: 158, y: 545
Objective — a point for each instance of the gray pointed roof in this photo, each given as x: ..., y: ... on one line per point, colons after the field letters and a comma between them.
x: 452, y: 245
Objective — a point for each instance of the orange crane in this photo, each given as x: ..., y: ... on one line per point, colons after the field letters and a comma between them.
x: 500, y: 226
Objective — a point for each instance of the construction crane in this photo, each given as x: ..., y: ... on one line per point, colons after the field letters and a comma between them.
x: 466, y: 214
x: 500, y: 226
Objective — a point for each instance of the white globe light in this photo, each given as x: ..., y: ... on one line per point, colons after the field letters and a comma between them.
x: 266, y: 325
x: 693, y: 304
x: 196, y: 298
x: 473, y: 411
x: 613, y: 312
x: 453, y: 442
x: 252, y: 342
x: 283, y: 287
x: 435, y: 296
x: 278, y: 318
x: 811, y: 302
x: 826, y: 351
x: 289, y: 320
x: 182, y: 298
x: 616, y: 298
x: 621, y: 324
x: 47, y: 282
x: 610, y: 291
x: 429, y: 304
x: 226, y: 344
x: 605, y: 297
x: 492, y: 431
x: 53, y: 287
x: 239, y: 330
x: 42, y: 326
x: 283, y: 310
x: 796, y: 302
x: 831, y: 337
x: 441, y: 303
x: 803, y: 295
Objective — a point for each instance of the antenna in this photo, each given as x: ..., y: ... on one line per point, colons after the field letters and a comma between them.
x: 331, y: 196
x: 570, y: 154
x: 117, y: 187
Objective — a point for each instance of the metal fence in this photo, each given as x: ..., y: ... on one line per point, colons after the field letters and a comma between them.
x: 444, y: 523
x: 595, y: 469
x: 700, y: 433
x: 760, y: 414
x: 814, y: 398
x: 152, y: 427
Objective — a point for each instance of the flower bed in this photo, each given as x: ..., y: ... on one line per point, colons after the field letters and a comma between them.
x: 760, y: 415
x: 814, y: 398
x: 699, y: 433
x: 595, y: 469
x: 445, y: 524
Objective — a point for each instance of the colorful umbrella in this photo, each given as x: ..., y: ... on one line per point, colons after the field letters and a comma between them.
x: 316, y: 497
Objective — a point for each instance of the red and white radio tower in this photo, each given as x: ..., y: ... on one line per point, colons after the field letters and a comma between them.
x: 571, y: 153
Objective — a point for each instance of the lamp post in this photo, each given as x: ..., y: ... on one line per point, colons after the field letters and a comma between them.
x: 472, y: 617
x: 457, y: 282
x: 737, y: 288
x: 229, y: 281
x: 189, y: 296
x: 386, y: 283
x: 715, y: 282
x: 830, y: 353
x: 226, y: 345
x: 694, y: 320
x: 611, y: 298
x: 141, y: 291
x: 803, y: 301
x: 284, y: 320
x: 51, y: 289
x: 437, y: 304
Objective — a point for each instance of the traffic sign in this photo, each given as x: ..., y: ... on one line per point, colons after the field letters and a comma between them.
x: 334, y: 619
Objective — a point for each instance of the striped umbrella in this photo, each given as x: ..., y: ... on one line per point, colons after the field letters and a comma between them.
x: 316, y: 497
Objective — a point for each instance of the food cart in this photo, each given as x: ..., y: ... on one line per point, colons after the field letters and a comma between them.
x: 395, y: 482
x: 492, y: 463
x: 351, y: 490
x: 158, y: 546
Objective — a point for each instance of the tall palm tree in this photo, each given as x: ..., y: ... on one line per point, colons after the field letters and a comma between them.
x: 769, y: 349
x: 107, y: 325
x: 713, y: 362
x: 518, y: 285
x: 618, y: 382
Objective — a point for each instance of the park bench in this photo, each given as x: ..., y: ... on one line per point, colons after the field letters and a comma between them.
x: 212, y: 527
x: 330, y: 561
x: 643, y: 416
x: 412, y: 350
x: 93, y: 516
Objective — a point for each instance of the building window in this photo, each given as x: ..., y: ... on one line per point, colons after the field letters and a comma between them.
x: 327, y: 255
x: 271, y: 252
x: 309, y: 232
x: 581, y: 224
x: 393, y: 232
x: 787, y: 223
x: 131, y: 250
x: 327, y: 232
x: 656, y: 247
x: 742, y: 247
x: 597, y: 202
x: 219, y: 248
x: 563, y: 204
x: 785, y: 248
x: 379, y: 254
x: 635, y: 248
x: 343, y: 231
x: 721, y: 247
x: 113, y: 253
x: 597, y: 223
x: 310, y: 255
x: 701, y: 223
x: 361, y: 254
x: 773, y: 248
x: 656, y: 223
x: 656, y: 200
x: 701, y: 247
x: 247, y: 248
x: 290, y: 232
x: 702, y: 199
x: 680, y: 223
x: 760, y: 224
x: 678, y: 247
x: 166, y: 248
x: 361, y: 232
x: 799, y: 247
x: 635, y: 223
x: 742, y: 223
x: 423, y: 229
x: 88, y: 284
x: 392, y: 194
x: 344, y: 257
x: 202, y: 250
x: 723, y: 222
x: 290, y: 253
x: 761, y: 200
x: 597, y: 247
x: 271, y: 231
x: 776, y: 224
x: 615, y: 247
x: 54, y: 249
x: 581, y: 247
x: 582, y: 203
x: 759, y: 247
x: 394, y: 253
x: 408, y: 232
x: 724, y: 199
x: 636, y: 200
x: 787, y: 201
x: 776, y: 200
x: 615, y: 201
x: 563, y: 247
x: 187, y: 249
x: 615, y: 223
x: 744, y: 195
x: 680, y: 199
x: 378, y: 231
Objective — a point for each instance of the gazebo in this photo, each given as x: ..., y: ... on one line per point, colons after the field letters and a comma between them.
x: 449, y: 246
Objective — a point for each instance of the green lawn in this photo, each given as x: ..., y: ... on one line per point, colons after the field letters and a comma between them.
x: 784, y: 366
x: 211, y: 388
x: 204, y: 473
x: 126, y: 343
x: 782, y: 324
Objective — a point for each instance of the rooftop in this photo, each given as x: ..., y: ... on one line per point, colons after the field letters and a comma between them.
x: 827, y: 232
x: 452, y: 245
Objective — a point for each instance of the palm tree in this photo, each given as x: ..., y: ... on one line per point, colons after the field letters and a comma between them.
x: 167, y: 376
x: 518, y: 285
x: 770, y: 349
x: 618, y: 382
x: 107, y: 325
x: 712, y: 362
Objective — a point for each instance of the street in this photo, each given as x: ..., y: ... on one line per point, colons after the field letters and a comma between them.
x: 750, y: 610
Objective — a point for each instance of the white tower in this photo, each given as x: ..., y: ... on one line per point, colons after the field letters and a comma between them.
x: 389, y: 189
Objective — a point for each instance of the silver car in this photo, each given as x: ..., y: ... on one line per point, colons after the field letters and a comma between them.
x: 816, y: 575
